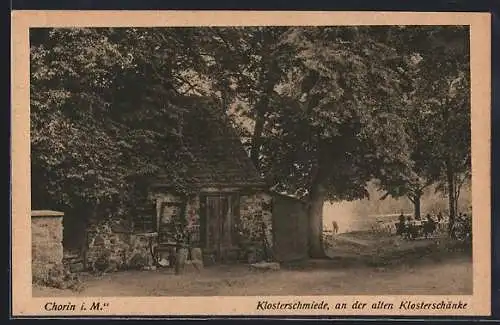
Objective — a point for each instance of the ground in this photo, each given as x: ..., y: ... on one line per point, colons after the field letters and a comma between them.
x: 422, y: 271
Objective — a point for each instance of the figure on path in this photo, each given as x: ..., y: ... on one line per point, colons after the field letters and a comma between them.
x: 411, y: 228
x: 440, y: 216
x: 401, y: 226
x: 335, y: 227
x: 429, y: 226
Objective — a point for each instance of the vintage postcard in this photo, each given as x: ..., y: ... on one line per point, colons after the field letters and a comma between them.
x: 185, y: 163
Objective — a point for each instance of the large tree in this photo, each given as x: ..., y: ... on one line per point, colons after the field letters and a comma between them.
x: 436, y: 76
x: 244, y: 67
x: 336, y: 123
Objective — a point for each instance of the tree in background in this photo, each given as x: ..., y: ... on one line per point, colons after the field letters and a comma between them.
x: 423, y: 170
x: 438, y: 114
x: 448, y: 95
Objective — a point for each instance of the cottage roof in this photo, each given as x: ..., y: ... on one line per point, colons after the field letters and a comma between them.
x: 217, y: 154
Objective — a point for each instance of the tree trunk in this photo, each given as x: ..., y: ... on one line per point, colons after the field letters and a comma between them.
x: 450, y: 173
x: 416, y: 205
x: 269, y: 70
x: 459, y: 182
x: 257, y: 136
x: 315, y: 215
x: 415, y: 198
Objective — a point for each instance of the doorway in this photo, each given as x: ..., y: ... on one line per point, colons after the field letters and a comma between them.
x: 218, y: 211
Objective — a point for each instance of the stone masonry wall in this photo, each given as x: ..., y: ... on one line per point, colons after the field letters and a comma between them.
x: 124, y: 249
x: 256, y: 209
x: 193, y: 218
x: 112, y: 246
x: 114, y: 242
x: 46, y: 242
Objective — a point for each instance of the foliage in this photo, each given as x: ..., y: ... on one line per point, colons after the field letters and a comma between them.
x: 332, y: 121
x: 102, y: 115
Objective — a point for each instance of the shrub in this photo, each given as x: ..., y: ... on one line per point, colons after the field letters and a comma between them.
x: 60, y: 277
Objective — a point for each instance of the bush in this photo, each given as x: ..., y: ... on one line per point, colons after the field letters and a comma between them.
x: 60, y: 277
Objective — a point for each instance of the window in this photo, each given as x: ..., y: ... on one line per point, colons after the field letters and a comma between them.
x: 171, y: 214
x: 144, y: 220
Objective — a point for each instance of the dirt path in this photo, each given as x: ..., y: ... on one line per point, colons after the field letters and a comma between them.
x: 450, y: 276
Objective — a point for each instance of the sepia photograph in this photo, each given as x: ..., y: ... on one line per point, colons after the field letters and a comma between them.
x: 252, y: 160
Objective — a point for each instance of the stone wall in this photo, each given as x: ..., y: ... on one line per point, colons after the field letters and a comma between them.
x: 114, y: 242
x: 112, y: 246
x: 256, y: 209
x: 193, y: 217
x: 46, y: 242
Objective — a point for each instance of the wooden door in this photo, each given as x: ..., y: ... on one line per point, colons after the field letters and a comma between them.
x: 218, y: 221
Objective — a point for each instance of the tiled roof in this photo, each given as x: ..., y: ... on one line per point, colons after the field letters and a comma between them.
x: 218, y: 156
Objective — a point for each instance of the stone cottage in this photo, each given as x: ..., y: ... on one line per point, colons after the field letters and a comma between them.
x: 227, y: 213
x: 230, y: 209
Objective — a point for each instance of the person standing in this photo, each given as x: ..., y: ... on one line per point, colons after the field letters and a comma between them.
x: 401, y: 226
x: 439, y: 216
x: 410, y: 227
x: 335, y: 227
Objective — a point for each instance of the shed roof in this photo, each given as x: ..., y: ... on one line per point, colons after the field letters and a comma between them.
x: 217, y: 154
x: 287, y: 197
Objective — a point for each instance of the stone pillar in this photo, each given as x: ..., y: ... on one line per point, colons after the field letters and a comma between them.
x: 46, y: 242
